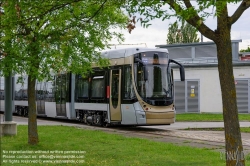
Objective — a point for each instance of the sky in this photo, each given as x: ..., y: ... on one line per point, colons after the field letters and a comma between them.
x: 156, y: 34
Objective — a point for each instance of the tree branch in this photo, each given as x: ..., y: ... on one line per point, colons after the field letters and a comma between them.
x: 243, y: 6
x: 59, y: 6
x: 53, y: 8
x: 1, y: 9
x: 194, y: 20
x: 97, y: 11
x: 197, y: 22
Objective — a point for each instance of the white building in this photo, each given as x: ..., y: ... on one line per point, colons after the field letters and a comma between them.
x: 201, y: 91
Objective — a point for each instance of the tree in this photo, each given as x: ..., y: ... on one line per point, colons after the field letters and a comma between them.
x: 246, y: 50
x: 185, y: 34
x: 195, y: 15
x: 38, y: 37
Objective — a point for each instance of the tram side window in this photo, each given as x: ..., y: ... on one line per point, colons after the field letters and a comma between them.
x: 21, y: 90
x: 82, y: 88
x: 62, y: 88
x: 1, y: 88
x: 18, y: 91
x: 129, y: 92
x: 140, y: 83
x: 40, y: 90
x: 50, y: 91
x: 97, y: 89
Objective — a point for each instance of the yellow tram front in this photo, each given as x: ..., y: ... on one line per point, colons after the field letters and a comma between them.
x: 154, y: 86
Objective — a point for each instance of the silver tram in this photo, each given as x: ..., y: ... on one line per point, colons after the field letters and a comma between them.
x: 136, y: 89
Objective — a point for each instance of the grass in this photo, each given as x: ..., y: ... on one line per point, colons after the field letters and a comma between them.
x: 245, y: 129
x: 206, y: 117
x: 103, y: 149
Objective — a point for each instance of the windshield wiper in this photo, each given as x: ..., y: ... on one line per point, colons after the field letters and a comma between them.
x: 166, y: 91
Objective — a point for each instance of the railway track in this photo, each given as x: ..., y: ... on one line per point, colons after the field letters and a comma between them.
x: 213, y: 140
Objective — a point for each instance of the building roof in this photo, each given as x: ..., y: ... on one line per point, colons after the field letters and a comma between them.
x: 201, y: 54
x: 191, y: 44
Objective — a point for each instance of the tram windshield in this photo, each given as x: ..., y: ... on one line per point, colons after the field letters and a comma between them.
x: 153, y: 78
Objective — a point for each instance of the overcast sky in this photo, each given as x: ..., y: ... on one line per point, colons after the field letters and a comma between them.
x: 157, y: 33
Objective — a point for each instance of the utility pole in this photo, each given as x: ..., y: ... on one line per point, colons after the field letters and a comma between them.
x: 8, y: 127
x: 8, y: 98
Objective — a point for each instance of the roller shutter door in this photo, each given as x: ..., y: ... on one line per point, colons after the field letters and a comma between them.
x: 179, y: 94
x: 242, y: 93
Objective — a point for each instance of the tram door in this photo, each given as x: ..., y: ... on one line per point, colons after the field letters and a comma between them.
x: 115, y: 95
x: 40, y: 97
x: 61, y: 87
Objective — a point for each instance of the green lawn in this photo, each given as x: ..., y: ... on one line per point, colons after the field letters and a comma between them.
x: 245, y: 129
x: 206, y: 117
x: 102, y: 149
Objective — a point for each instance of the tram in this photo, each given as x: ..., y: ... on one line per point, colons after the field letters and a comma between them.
x: 137, y: 88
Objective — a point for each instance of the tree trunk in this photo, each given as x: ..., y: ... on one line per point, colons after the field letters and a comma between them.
x: 32, y: 122
x: 234, y: 149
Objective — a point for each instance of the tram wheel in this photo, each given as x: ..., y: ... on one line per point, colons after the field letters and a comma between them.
x: 106, y: 125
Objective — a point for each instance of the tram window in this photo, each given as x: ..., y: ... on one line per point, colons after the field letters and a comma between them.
x: 50, y: 91
x: 62, y: 88
x: 97, y: 89
x: 140, y: 81
x: 2, y: 88
x: 25, y: 88
x: 82, y: 88
x: 18, y: 93
x: 40, y: 90
x: 21, y: 91
x: 155, y: 58
x: 115, y: 88
x: 128, y: 87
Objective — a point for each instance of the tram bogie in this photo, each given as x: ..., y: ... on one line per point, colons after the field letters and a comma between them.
x: 21, y: 110
x: 92, y: 117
